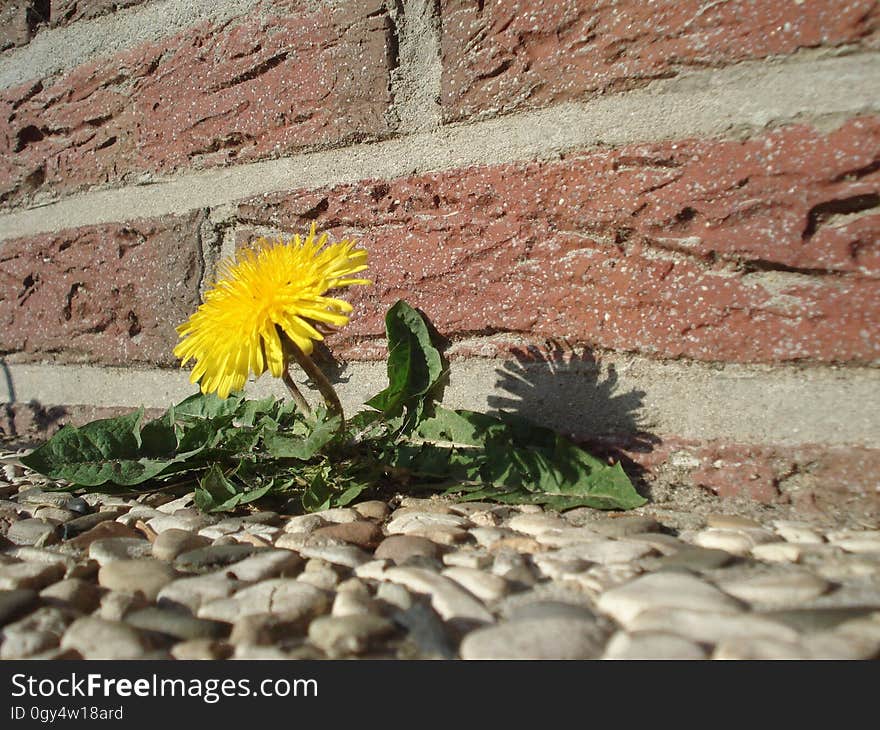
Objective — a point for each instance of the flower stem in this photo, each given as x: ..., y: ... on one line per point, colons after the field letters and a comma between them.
x: 334, y: 405
x: 298, y: 397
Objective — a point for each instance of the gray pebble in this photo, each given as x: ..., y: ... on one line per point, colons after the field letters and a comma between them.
x: 95, y: 638
x: 179, y: 624
x: 212, y: 557
x: 15, y: 602
x: 76, y: 593
x: 548, y: 638
x: 172, y: 542
x: 340, y: 635
x: 35, y: 532
x: 147, y: 577
x: 112, y: 549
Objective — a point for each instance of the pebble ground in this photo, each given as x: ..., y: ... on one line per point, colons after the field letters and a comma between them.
x: 688, y: 576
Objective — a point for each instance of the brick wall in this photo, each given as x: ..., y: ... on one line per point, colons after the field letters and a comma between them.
x: 654, y: 225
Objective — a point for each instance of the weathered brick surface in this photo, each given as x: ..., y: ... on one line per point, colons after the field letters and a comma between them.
x: 765, y: 250
x: 19, y: 20
x: 814, y: 477
x: 289, y: 77
x: 499, y: 55
x: 69, y: 11
x: 110, y: 294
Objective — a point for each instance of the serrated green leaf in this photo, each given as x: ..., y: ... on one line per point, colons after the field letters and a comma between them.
x: 414, y: 364
x: 318, y: 493
x: 287, y: 445
x: 104, y: 451
x: 504, y: 460
x: 209, y: 405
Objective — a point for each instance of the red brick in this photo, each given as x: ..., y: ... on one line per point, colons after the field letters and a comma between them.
x: 19, y: 20
x: 110, y: 294
x: 270, y: 83
x: 500, y: 55
x: 69, y: 11
x: 812, y: 477
x: 765, y: 250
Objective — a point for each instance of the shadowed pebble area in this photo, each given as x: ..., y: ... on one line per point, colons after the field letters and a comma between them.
x: 687, y: 576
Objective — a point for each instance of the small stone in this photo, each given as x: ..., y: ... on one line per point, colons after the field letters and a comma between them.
x: 338, y: 515
x: 709, y: 626
x: 485, y: 586
x: 514, y: 568
x: 654, y: 645
x: 73, y: 568
x: 35, y: 633
x: 784, y: 588
x: 95, y: 638
x: 341, y: 635
x: 80, y: 525
x: 347, y: 603
x: 536, y: 524
x: 663, y: 544
x: 221, y: 529
x: 54, y: 514
x: 468, y: 559
x: 399, y: 548
x: 418, y: 523
x: 488, y: 536
x: 116, y: 606
x: 837, y: 645
x: 304, y: 524
x: 372, y: 570
x: 693, y: 558
x: 178, y: 521
x: 355, y: 586
x: 74, y: 593
x: 171, y: 506
x: 359, y: 532
x: 521, y: 544
x: 201, y: 649
x: 738, y: 542
x: 212, y: 557
x: 797, y: 532
x: 147, y: 577
x: 394, y: 595
x: 372, y: 510
x: 179, y: 624
x: 760, y: 648
x: 119, y: 548
x: 860, y: 544
x: 38, y: 497
x: 731, y: 522
x: 29, y: 575
x: 447, y: 598
x: 601, y: 578
x: 272, y: 563
x: 192, y: 592
x: 267, y: 518
x: 535, y: 610
x: 172, y: 542
x: 14, y: 603
x: 549, y: 638
x: 348, y: 556
x: 326, y: 579
x: 622, y: 526
x: 778, y: 552
x: 33, y: 532
x: 104, y: 530
x: 420, y: 504
x: 667, y: 590
x: 279, y: 595
x: 259, y: 629
x: 816, y: 619
x: 556, y: 566
x: 607, y: 551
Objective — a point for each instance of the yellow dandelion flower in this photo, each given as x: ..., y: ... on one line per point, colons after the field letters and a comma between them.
x: 267, y: 287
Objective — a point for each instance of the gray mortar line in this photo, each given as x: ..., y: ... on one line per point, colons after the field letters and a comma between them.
x: 415, y: 83
x: 623, y: 393
x: 56, y: 50
x: 699, y: 104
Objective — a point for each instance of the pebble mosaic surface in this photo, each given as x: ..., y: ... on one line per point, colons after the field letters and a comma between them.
x: 685, y: 577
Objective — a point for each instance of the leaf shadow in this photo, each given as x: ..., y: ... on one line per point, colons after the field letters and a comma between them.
x: 25, y: 424
x: 574, y: 394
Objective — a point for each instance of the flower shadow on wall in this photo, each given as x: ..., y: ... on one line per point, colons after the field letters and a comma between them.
x: 570, y: 392
x: 38, y: 422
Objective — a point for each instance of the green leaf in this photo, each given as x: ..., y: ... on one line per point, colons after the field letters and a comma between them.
x: 201, y: 405
x: 318, y: 493
x: 414, y: 364
x: 215, y: 492
x: 505, y: 461
x: 287, y: 445
x: 104, y: 451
